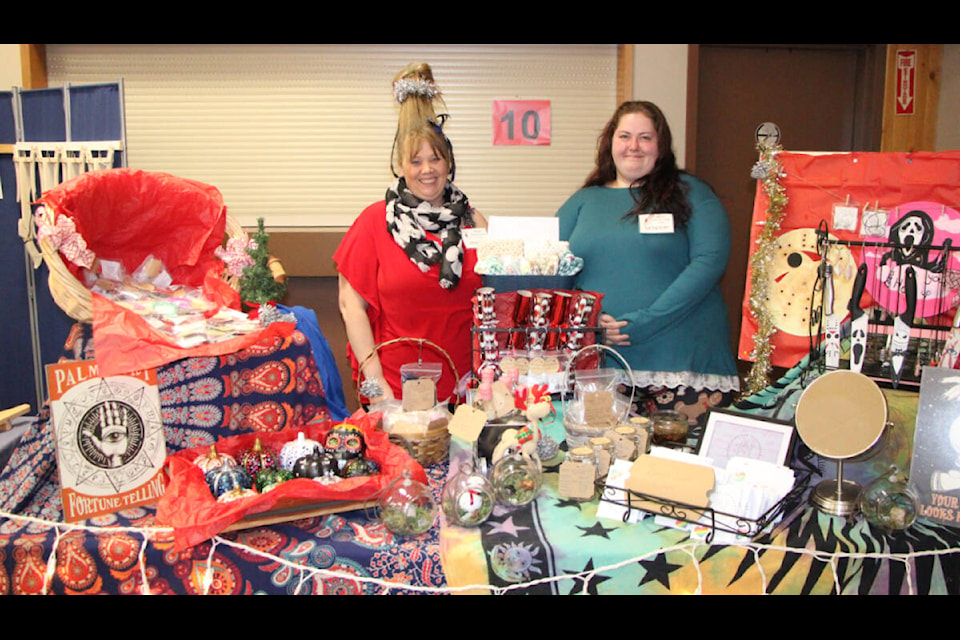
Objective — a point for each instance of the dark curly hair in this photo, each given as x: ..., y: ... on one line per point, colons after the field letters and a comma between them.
x: 661, y: 189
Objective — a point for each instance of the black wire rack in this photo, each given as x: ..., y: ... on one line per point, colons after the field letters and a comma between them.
x: 713, y: 519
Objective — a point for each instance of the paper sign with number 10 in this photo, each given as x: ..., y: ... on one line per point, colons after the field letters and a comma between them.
x: 521, y: 122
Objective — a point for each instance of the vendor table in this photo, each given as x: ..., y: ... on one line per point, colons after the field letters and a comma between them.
x: 557, y: 546
x: 552, y: 546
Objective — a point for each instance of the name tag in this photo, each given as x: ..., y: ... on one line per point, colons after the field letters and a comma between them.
x: 472, y: 238
x: 656, y: 223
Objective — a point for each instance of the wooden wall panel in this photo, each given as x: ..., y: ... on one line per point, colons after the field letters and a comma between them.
x: 916, y: 131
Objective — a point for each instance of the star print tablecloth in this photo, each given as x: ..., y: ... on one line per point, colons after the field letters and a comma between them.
x: 555, y: 546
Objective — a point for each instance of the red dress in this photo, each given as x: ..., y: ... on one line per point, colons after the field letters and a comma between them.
x: 404, y: 302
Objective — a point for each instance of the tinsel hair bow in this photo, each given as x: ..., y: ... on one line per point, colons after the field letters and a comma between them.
x: 63, y: 236
x: 405, y: 87
x: 236, y: 256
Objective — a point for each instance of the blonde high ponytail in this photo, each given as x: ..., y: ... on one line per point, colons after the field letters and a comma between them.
x: 419, y: 99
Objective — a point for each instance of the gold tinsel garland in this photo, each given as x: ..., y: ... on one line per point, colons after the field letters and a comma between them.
x: 768, y: 171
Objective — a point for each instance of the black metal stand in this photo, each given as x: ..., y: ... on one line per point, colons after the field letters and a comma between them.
x: 712, y: 518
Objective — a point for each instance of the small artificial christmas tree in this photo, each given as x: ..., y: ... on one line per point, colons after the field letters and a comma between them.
x: 257, y: 284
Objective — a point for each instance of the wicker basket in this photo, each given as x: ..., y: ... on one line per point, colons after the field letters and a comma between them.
x: 432, y: 444
x: 73, y: 296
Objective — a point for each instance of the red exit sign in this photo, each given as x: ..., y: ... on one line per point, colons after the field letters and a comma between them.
x: 906, y: 81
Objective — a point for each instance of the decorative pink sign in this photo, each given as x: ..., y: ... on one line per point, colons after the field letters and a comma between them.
x: 919, y: 230
x: 521, y: 122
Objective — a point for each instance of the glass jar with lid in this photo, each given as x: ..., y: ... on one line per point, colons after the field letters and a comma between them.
x: 606, y: 451
x: 633, y: 442
x: 643, y: 423
x: 670, y: 428
x: 573, y: 485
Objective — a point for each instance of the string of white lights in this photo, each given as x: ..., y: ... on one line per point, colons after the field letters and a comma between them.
x: 306, y: 573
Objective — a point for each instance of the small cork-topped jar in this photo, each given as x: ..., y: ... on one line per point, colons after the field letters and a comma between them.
x: 633, y: 442
x: 582, y: 454
x: 578, y: 475
x: 606, y: 451
x: 643, y: 423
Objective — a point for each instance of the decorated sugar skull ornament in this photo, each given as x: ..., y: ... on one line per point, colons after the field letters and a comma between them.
x: 345, y: 442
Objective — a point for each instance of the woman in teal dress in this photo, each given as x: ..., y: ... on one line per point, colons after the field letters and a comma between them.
x: 655, y: 241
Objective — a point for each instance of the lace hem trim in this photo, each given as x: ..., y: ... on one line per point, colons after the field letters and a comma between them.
x: 675, y: 379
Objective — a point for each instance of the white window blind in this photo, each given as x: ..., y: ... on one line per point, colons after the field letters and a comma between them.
x: 300, y: 134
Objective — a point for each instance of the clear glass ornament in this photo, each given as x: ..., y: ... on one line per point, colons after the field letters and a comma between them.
x: 407, y: 507
x: 468, y: 497
x: 516, y: 479
x: 888, y: 503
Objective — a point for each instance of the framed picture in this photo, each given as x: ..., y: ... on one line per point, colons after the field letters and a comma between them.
x: 729, y: 434
x: 935, y: 461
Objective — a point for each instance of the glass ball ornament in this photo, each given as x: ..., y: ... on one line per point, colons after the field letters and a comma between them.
x: 407, y: 506
x: 212, y: 459
x: 296, y: 449
x: 315, y: 465
x: 516, y: 479
x: 268, y: 479
x: 888, y: 503
x: 227, y: 477
x: 468, y: 497
x: 257, y: 458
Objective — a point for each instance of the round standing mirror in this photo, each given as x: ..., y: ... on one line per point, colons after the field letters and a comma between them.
x: 840, y: 415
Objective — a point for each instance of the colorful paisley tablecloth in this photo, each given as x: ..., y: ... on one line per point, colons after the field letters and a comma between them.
x: 270, y: 386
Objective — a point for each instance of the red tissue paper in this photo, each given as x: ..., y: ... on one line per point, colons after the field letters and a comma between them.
x: 195, y: 515
x: 127, y: 215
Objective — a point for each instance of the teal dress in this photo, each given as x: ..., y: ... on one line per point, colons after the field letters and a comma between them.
x: 665, y: 285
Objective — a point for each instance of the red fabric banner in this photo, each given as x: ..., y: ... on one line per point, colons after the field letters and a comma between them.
x: 872, y: 201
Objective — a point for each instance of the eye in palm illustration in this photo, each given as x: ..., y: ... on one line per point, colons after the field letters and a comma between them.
x: 111, y: 433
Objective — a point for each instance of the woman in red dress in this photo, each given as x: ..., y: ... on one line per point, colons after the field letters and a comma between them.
x: 403, y: 269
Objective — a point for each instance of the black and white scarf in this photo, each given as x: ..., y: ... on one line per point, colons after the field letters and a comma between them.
x: 409, y: 218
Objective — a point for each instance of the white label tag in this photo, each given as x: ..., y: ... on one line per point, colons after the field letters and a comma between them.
x: 473, y: 237
x: 656, y: 223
